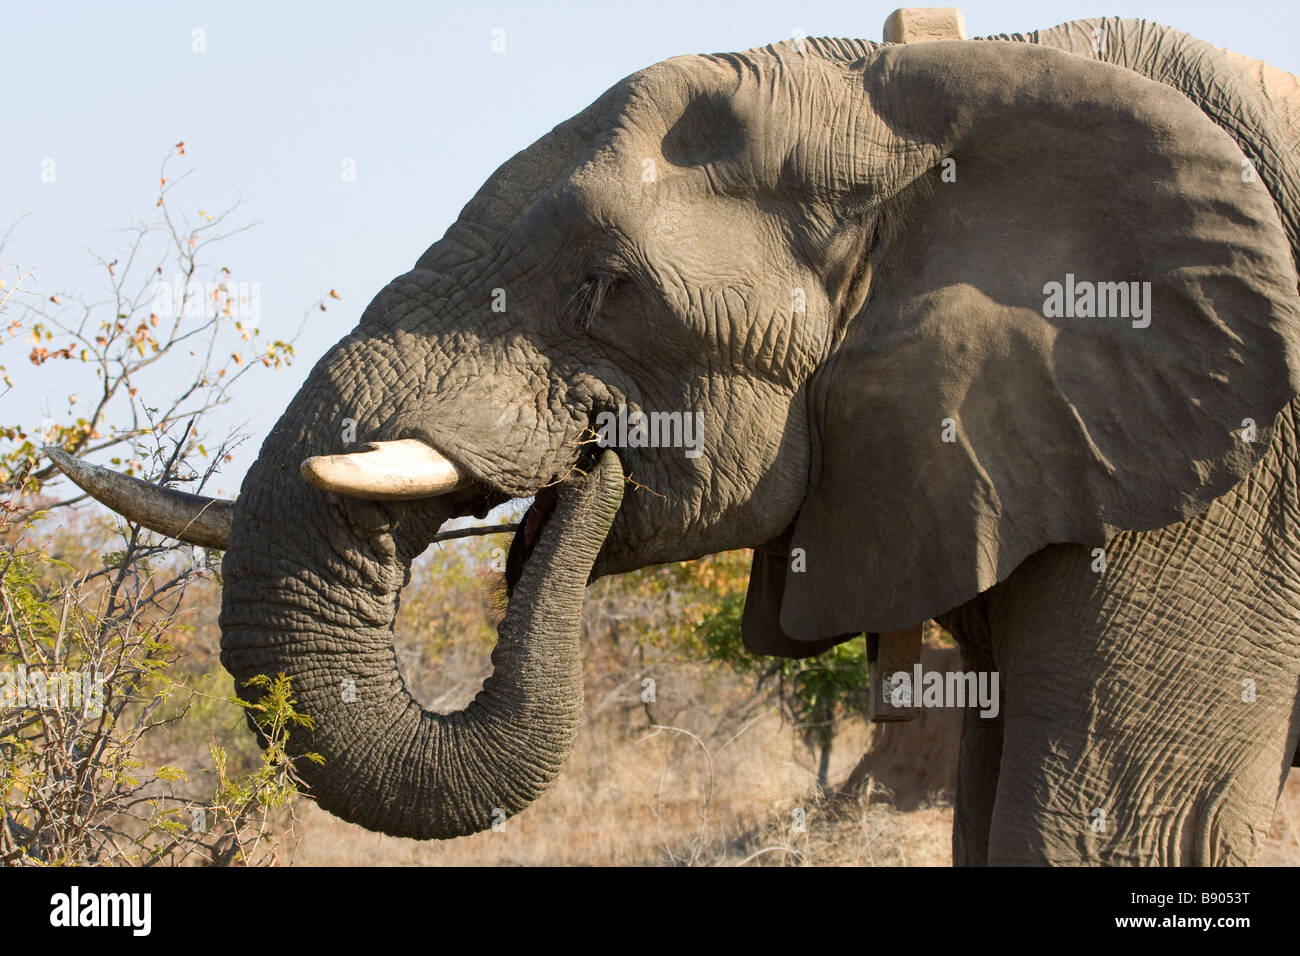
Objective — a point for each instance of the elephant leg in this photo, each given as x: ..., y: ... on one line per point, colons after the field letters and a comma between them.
x: 981, y: 744
x: 977, y: 785
x: 1148, y: 710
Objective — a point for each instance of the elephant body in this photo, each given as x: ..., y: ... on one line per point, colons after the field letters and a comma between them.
x: 838, y: 257
x: 1109, y: 749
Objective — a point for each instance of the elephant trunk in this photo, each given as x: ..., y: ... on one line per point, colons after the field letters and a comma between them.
x: 390, y: 765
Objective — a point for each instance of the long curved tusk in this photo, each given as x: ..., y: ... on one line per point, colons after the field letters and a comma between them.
x: 386, y: 471
x: 191, y: 518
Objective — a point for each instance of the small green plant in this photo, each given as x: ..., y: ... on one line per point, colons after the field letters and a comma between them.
x: 242, y: 808
x: 815, y: 693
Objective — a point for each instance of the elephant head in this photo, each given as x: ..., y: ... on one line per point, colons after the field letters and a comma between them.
x: 934, y: 307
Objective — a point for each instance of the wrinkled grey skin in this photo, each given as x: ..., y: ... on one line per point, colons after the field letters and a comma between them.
x: 772, y: 243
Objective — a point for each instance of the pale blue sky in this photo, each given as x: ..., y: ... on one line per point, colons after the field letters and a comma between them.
x: 412, y: 91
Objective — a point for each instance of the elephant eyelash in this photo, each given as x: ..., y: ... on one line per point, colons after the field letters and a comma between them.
x: 585, y: 301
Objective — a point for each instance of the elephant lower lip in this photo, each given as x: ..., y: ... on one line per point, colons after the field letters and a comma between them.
x: 530, y: 532
x: 537, y: 515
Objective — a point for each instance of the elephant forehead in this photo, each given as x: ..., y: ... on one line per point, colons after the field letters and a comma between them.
x: 703, y: 122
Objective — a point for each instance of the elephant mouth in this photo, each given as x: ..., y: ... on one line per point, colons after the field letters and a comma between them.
x: 414, y: 468
x: 530, y: 530
x: 538, y: 514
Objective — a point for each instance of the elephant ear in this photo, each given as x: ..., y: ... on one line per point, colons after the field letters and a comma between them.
x: 966, y: 419
x: 760, y: 630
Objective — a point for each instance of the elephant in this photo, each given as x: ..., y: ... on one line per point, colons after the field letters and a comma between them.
x: 1000, y: 332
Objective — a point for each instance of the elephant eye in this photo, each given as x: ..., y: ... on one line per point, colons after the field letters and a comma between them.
x: 583, y: 304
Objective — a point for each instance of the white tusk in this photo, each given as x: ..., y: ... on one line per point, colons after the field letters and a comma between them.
x: 384, y: 471
x: 177, y: 514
